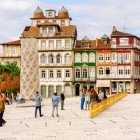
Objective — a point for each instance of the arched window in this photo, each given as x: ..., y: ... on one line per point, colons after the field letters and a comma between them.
x: 51, y: 59
x: 101, y: 71
x: 84, y: 57
x: 43, y: 58
x: 91, y: 57
x: 84, y: 73
x: 77, y: 73
x: 107, y: 70
x: 77, y: 57
x: 67, y: 59
x: 58, y: 58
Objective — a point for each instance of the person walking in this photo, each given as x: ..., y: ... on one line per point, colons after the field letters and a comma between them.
x: 62, y: 96
x: 82, y: 99
x: 55, y: 101
x: 2, y: 109
x: 38, y: 100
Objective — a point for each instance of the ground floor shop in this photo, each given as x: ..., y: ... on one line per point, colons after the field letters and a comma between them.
x: 117, y: 86
x: 47, y: 90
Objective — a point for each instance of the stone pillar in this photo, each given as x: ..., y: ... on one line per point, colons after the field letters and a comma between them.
x: 29, y: 76
x: 88, y: 86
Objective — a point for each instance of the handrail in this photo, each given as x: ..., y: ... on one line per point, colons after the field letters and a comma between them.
x: 96, y: 108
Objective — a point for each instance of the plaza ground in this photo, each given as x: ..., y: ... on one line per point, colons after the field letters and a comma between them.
x: 119, y: 122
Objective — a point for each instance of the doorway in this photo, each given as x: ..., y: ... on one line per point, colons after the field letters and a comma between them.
x: 77, y: 89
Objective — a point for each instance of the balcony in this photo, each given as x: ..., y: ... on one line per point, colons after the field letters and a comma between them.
x: 85, y: 79
x: 108, y: 76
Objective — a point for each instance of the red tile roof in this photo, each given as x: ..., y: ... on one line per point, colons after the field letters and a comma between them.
x: 17, y: 42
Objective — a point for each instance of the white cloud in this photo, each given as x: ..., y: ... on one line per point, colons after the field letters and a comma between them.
x: 92, y: 17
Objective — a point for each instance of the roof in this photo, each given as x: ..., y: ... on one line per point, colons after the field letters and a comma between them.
x: 17, y: 42
x: 33, y: 31
x: 118, y: 33
x: 92, y: 44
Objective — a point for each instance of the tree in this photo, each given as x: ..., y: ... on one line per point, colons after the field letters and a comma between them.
x: 9, y: 78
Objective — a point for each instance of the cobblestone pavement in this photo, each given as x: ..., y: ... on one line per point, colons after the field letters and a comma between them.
x: 119, y: 122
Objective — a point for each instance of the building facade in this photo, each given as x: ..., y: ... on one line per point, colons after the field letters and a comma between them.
x: 84, y: 65
x: 11, y: 53
x: 118, y: 64
x: 55, y: 40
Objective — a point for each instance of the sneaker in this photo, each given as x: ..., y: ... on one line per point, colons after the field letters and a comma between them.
x: 57, y: 115
x: 41, y: 115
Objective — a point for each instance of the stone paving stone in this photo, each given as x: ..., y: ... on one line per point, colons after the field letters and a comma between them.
x: 119, y: 122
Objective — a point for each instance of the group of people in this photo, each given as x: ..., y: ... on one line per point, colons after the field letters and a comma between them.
x: 2, y: 109
x: 90, y: 96
x: 55, y: 102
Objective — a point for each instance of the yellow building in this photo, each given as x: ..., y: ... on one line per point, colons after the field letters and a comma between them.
x: 11, y: 53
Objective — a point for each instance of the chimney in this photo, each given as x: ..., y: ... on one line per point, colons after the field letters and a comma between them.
x: 96, y: 42
x: 114, y: 29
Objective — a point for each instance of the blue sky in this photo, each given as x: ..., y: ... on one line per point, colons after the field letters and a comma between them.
x: 92, y: 17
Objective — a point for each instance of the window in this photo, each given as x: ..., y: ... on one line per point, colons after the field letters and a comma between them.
x: 67, y: 44
x: 51, y: 44
x: 107, y: 70
x: 50, y: 14
x: 121, y: 58
x: 123, y: 41
x: 107, y: 57
x: 44, y: 31
x: 121, y: 70
x: 127, y: 57
x: 91, y: 57
x: 50, y: 30
x: 84, y: 73
x: 67, y: 73
x: 38, y: 22
x: 127, y: 70
x: 113, y: 42
x: 62, y: 22
x: 77, y: 57
x: 43, y: 44
x: 101, y: 57
x: 58, y: 44
x: 43, y: 58
x: 67, y: 59
x: 58, y: 58
x: 43, y: 74
x: 14, y: 51
x: 51, y: 73
x: 77, y: 73
x: 58, y: 73
x: 114, y: 57
x: 101, y: 72
x: 51, y: 59
x: 84, y: 57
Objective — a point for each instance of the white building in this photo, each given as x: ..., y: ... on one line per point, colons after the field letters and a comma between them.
x: 55, y: 40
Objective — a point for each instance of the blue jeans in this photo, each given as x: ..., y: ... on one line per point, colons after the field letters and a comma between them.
x: 82, y: 103
x: 36, y: 108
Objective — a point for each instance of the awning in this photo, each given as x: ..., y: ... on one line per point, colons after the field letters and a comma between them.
x: 103, y: 83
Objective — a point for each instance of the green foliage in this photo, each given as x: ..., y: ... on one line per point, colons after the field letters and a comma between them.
x: 10, y: 68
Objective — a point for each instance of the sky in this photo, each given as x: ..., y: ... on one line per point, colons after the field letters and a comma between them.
x: 93, y: 18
